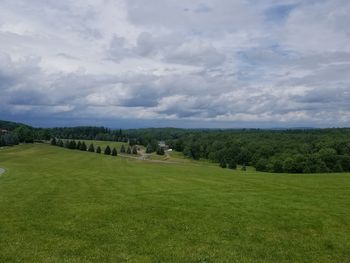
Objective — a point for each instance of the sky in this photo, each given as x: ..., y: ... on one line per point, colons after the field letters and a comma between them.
x: 179, y: 63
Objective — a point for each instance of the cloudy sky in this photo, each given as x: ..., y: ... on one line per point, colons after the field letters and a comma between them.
x: 183, y: 63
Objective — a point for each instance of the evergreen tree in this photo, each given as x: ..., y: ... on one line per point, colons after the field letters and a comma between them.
x: 98, y: 149
x: 134, y: 150
x: 107, y: 150
x: 72, y: 145
x: 53, y: 141
x: 78, y: 145
x: 66, y: 144
x: 91, y: 148
x: 114, y: 152
x: 82, y: 146
x: 244, y: 168
x: 128, y: 151
x: 122, y: 149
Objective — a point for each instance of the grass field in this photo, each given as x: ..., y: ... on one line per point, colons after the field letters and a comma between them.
x: 59, y: 205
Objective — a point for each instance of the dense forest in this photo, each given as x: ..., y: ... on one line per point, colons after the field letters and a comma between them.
x: 292, y: 151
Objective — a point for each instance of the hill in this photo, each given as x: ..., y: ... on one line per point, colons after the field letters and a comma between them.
x: 10, y: 126
x: 60, y: 205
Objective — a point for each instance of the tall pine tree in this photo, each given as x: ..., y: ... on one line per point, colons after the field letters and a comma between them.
x: 122, y: 149
x: 114, y: 152
x: 98, y: 149
x: 91, y: 148
x: 108, y: 150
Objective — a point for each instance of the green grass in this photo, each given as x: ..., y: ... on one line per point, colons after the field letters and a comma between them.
x: 59, y: 205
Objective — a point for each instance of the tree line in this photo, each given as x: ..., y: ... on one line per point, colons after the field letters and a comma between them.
x: 81, y: 145
x: 281, y: 151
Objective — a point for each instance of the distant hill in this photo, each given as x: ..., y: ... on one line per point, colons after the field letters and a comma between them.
x: 10, y: 126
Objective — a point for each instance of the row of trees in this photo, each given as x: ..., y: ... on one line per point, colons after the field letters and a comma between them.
x: 129, y: 150
x: 89, y: 133
x: 73, y: 145
x: 8, y: 139
x: 292, y: 151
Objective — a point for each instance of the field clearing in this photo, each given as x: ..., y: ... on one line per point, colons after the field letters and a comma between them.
x: 60, y: 205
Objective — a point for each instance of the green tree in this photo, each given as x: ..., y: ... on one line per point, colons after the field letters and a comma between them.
x: 261, y: 165
x: 107, y: 150
x: 24, y: 134
x: 134, y: 150
x: 128, y: 151
x: 72, y: 145
x: 82, y: 146
x: 78, y: 145
x: 290, y: 165
x: 122, y: 149
x: 98, y: 149
x: 114, y: 152
x: 338, y: 167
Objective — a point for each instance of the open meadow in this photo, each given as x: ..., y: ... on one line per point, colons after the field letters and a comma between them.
x: 60, y: 205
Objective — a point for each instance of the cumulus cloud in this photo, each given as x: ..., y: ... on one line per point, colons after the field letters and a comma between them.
x: 210, y: 63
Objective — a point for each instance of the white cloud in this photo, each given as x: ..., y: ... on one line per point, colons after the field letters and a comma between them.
x: 227, y: 61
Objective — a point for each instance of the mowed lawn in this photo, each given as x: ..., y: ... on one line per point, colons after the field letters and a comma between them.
x: 59, y: 205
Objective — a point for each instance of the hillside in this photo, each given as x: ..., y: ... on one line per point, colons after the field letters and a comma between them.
x: 60, y: 205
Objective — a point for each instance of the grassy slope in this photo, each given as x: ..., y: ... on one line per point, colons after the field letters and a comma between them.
x: 59, y: 205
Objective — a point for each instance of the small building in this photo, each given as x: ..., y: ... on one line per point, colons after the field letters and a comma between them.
x: 4, y: 131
